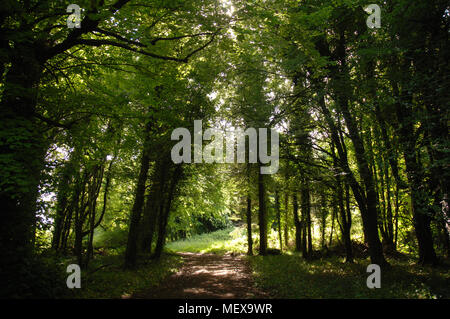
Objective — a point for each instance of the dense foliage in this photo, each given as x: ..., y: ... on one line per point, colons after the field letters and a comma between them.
x: 87, y: 116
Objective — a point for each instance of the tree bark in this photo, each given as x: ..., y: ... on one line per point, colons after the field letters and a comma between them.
x: 249, y: 226
x: 262, y: 214
x: 163, y: 219
x: 306, y: 212
x: 62, y: 206
x: 22, y: 149
x: 286, y: 219
x: 278, y: 212
x: 297, y: 223
x: 136, y: 212
x: 419, y: 206
x: 154, y: 204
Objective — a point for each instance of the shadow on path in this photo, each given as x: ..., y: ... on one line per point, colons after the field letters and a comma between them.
x: 207, y: 276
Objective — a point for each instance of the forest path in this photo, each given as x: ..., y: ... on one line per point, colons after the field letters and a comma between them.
x: 207, y: 276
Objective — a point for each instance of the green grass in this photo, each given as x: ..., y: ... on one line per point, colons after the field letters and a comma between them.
x: 113, y: 281
x: 291, y: 277
x: 219, y: 242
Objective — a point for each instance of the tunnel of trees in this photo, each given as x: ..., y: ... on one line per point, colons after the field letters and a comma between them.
x: 87, y: 116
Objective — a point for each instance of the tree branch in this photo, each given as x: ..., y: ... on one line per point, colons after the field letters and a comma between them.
x: 97, y: 43
x: 119, y: 37
x: 87, y: 25
x: 153, y: 42
x: 100, y: 42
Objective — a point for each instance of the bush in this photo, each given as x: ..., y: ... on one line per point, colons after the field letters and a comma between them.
x: 38, y: 277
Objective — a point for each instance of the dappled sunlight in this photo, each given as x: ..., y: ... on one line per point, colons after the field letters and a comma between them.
x: 294, y: 277
x: 222, y: 241
x: 208, y: 276
x: 137, y: 133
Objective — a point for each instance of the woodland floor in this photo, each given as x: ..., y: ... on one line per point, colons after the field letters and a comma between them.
x: 215, y: 266
x: 207, y: 276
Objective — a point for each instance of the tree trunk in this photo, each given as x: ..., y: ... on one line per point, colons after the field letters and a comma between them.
x: 365, y: 196
x: 154, y: 204
x: 333, y: 217
x: 249, y: 226
x: 131, y: 250
x: 262, y: 214
x: 286, y: 219
x: 297, y: 223
x: 369, y: 217
x: 323, y: 215
x: 278, y: 212
x: 150, y: 220
x: 345, y: 214
x: 62, y: 205
x: 97, y: 179
x: 419, y: 204
x: 306, y: 212
x: 162, y: 225
x: 79, y: 220
x: 22, y: 149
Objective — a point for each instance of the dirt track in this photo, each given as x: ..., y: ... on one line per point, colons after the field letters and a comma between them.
x: 207, y: 276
